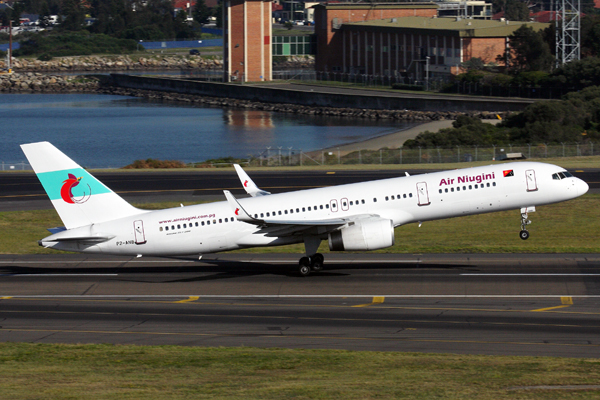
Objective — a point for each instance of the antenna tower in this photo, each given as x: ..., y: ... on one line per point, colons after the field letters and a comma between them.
x: 568, y: 37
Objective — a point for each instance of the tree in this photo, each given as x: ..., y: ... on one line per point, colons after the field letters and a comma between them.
x: 516, y: 10
x: 201, y: 12
x: 529, y: 51
x: 74, y: 15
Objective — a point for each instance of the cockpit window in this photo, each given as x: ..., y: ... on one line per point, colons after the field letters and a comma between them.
x: 561, y: 175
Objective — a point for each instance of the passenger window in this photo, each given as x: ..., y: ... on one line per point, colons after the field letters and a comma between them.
x: 475, y: 186
x: 452, y: 189
x: 393, y: 197
x: 292, y: 211
x: 470, y: 187
x: 285, y: 211
x: 196, y: 224
x: 387, y: 198
x: 303, y: 209
x: 268, y: 214
x: 440, y: 190
x: 458, y: 189
x: 178, y: 226
x: 262, y: 215
x: 464, y: 188
x: 362, y: 201
x: 308, y: 208
x: 221, y: 221
x: 327, y: 206
x: 493, y: 183
x: 184, y: 226
x: 297, y: 210
x: 374, y: 199
x: 410, y: 195
x: 404, y: 195
x: 207, y: 222
x: 488, y: 184
x: 166, y: 228
x: 321, y: 206
x: 446, y: 190
x: 202, y: 223
x: 351, y: 203
x: 279, y: 212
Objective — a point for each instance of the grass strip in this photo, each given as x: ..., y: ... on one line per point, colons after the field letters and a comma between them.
x: 568, y: 227
x: 63, y: 371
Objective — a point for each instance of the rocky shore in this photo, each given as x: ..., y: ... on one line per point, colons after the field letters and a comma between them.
x: 113, y: 63
x: 36, y: 82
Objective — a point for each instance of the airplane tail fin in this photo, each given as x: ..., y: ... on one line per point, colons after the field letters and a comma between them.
x: 78, y: 197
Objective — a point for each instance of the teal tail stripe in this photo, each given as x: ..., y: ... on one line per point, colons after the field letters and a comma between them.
x: 72, y: 185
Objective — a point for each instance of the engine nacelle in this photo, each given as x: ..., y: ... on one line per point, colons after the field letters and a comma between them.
x: 367, y: 234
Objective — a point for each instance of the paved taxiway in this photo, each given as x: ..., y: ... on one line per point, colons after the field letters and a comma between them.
x: 480, y: 304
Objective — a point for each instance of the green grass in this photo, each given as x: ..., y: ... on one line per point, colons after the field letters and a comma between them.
x: 568, y: 227
x: 45, y: 371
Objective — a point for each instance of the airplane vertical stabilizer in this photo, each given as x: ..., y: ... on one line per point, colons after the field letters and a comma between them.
x: 78, y: 197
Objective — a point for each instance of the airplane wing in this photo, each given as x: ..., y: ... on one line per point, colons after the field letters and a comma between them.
x: 280, y: 228
x: 249, y: 185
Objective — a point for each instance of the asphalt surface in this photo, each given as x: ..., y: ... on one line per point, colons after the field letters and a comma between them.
x: 22, y: 190
x: 541, y: 305
x: 545, y: 305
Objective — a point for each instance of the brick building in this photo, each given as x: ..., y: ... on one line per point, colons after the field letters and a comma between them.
x: 247, y: 32
x: 329, y: 19
x: 406, y: 40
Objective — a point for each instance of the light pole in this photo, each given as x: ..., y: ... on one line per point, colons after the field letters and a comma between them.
x: 10, y: 46
x: 427, y: 74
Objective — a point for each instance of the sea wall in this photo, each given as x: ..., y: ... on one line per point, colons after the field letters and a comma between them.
x: 43, y: 83
x: 318, y: 97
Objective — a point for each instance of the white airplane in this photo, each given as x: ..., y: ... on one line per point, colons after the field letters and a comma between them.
x: 358, y: 216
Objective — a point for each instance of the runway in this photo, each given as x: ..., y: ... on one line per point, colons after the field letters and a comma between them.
x: 22, y: 191
x: 543, y: 305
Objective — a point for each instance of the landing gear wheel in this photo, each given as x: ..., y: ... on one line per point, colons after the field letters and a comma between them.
x: 304, y: 269
x: 316, y: 262
x: 524, y: 234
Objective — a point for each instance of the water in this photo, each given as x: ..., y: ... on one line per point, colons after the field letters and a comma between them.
x: 101, y: 131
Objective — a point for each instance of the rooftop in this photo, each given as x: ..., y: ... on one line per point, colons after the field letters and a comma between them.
x: 466, y: 27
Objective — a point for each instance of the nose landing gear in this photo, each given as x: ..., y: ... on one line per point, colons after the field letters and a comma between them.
x: 524, y: 234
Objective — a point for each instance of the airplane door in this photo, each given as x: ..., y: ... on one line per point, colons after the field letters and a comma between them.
x: 422, y: 194
x: 138, y: 230
x: 531, y: 182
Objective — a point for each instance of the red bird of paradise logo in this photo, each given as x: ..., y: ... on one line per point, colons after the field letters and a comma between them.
x: 67, y: 194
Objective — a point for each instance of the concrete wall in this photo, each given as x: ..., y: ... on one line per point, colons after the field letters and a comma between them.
x: 314, y: 98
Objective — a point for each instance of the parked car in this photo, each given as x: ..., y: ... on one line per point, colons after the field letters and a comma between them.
x: 195, y: 52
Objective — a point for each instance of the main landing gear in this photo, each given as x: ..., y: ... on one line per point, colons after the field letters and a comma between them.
x: 524, y: 234
x: 313, y: 263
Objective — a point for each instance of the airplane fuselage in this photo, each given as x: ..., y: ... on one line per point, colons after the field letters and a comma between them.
x: 214, y: 227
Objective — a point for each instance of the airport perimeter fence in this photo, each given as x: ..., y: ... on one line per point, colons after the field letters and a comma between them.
x: 285, y: 156
x: 289, y: 156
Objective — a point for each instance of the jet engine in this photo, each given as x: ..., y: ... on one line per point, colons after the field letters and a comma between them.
x: 366, y: 234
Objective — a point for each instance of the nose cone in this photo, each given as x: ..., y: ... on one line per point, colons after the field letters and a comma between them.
x: 582, y: 187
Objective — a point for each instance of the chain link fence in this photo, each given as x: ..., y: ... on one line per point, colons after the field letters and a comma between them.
x: 297, y: 157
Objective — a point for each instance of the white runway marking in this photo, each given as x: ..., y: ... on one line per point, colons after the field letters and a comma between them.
x: 308, y: 296
x: 32, y: 275
x: 528, y: 274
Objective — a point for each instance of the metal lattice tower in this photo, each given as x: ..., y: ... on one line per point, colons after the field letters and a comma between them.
x: 568, y: 37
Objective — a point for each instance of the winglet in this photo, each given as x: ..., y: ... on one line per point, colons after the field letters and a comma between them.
x: 238, y: 210
x: 249, y: 186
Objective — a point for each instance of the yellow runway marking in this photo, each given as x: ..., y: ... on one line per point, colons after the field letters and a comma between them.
x: 330, y: 173
x: 6, y: 298
x: 191, y: 298
x: 566, y: 302
x: 376, y: 300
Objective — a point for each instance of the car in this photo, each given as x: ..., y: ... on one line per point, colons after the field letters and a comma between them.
x: 195, y: 52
